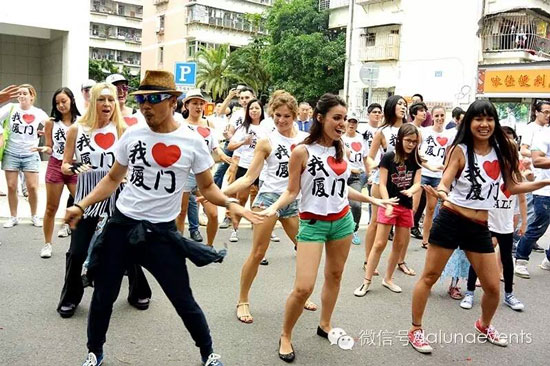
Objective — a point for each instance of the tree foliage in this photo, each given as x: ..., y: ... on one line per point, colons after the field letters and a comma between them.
x: 215, y: 72
x: 249, y: 67
x: 303, y: 56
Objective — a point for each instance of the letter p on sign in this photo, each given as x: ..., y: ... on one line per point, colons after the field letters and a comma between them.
x: 185, y: 73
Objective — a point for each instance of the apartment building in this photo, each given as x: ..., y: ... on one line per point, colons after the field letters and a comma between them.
x: 44, y: 47
x: 449, y: 51
x: 115, y: 32
x: 174, y: 30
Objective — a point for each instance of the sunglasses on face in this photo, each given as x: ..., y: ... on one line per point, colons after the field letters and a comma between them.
x: 152, y: 98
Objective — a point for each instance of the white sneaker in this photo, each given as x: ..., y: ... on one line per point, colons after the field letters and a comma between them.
x: 520, y: 269
x: 275, y: 238
x: 234, y: 238
x: 36, y: 221
x: 64, y: 231
x: 468, y: 301
x: 545, y: 264
x: 391, y: 286
x: 12, y: 221
x: 46, y: 251
x: 362, y: 290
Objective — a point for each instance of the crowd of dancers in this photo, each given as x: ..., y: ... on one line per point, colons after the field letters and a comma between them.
x: 134, y: 176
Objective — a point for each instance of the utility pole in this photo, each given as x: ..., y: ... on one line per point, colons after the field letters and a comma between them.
x: 349, y: 39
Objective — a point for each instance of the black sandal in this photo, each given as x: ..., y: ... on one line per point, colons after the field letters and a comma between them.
x: 424, y: 245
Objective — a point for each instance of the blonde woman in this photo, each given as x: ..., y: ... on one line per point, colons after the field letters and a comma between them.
x: 92, y: 142
x: 20, y: 153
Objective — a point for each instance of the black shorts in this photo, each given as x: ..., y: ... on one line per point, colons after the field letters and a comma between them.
x: 452, y: 230
x: 242, y: 171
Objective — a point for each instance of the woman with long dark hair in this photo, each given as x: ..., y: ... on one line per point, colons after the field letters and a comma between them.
x: 318, y: 169
x: 63, y: 115
x: 243, y: 143
x: 480, y: 160
x: 395, y: 114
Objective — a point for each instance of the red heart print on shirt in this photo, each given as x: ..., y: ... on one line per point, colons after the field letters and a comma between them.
x: 292, y: 147
x: 205, y: 132
x: 29, y: 118
x: 130, y: 121
x: 506, y: 192
x: 165, y: 155
x: 492, y: 169
x: 104, y: 140
x: 337, y: 167
x: 356, y: 146
x: 442, y: 140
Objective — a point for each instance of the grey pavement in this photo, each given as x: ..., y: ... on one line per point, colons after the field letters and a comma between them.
x: 32, y: 333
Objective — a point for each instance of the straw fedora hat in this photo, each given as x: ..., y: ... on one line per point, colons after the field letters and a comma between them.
x: 193, y: 94
x: 157, y: 81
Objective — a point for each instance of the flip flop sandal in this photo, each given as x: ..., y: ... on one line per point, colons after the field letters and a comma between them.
x: 243, y: 318
x: 311, y: 306
x: 405, y: 269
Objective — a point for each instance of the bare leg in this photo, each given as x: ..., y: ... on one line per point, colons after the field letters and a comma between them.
x: 212, y: 225
x: 31, y: 180
x: 242, y: 196
x: 336, y: 255
x: 431, y: 202
x: 485, y: 265
x: 12, y: 178
x: 308, y: 258
x: 380, y: 242
x: 401, y: 238
x: 53, y: 195
x: 371, y: 229
x: 436, y: 259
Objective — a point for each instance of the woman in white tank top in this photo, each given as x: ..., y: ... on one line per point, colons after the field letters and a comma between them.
x: 395, y: 110
x: 64, y: 114
x: 318, y: 169
x: 480, y: 159
x: 273, y: 153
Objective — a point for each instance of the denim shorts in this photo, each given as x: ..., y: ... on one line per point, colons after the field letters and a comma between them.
x: 24, y: 163
x: 191, y: 184
x: 375, y: 177
x: 430, y: 181
x: 318, y: 231
x: 265, y: 199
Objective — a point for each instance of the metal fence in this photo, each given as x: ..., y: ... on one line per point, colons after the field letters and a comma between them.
x: 516, y: 31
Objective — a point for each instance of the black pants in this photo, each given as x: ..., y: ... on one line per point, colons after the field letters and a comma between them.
x: 505, y: 242
x: 73, y: 290
x: 166, y: 263
x: 420, y: 209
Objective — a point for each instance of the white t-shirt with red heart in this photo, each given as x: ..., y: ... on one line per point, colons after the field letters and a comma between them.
x: 433, y: 147
x: 158, y: 166
x: 23, y: 125
x: 358, y: 149
x: 207, y: 134
x: 501, y: 218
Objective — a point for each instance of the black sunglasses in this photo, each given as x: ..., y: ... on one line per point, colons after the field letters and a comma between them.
x: 152, y: 98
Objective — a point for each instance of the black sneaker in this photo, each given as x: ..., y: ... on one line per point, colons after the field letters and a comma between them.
x: 196, y: 236
x: 66, y: 310
x: 537, y: 248
x: 415, y: 232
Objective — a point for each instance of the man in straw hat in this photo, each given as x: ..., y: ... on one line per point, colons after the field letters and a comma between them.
x: 159, y: 156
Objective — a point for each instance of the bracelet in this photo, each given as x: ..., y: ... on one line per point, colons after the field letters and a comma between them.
x: 80, y: 207
x: 230, y: 201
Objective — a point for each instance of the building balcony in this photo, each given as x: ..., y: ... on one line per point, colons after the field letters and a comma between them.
x: 366, y: 3
x: 205, y: 15
x: 380, y: 43
x: 515, y: 37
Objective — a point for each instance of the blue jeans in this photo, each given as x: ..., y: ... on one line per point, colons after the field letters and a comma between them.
x: 222, y: 167
x: 193, y: 213
x: 536, y: 229
x: 530, y: 216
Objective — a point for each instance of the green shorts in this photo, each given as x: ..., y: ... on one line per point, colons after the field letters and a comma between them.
x: 322, y: 231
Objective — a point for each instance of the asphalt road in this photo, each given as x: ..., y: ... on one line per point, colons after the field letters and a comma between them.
x: 32, y: 333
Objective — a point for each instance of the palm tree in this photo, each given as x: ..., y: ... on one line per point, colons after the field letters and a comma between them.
x: 215, y: 71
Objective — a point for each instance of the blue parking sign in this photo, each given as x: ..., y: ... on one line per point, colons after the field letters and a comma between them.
x: 185, y: 73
